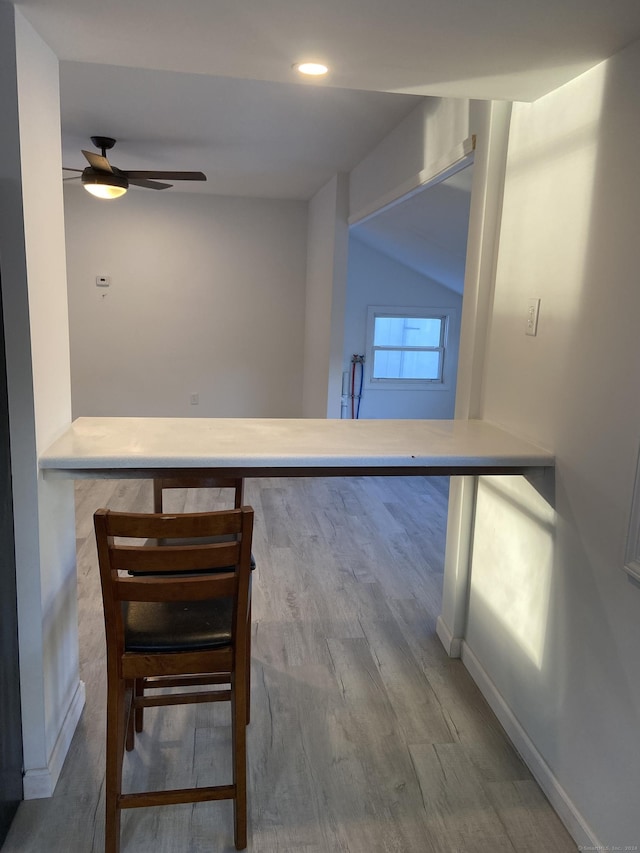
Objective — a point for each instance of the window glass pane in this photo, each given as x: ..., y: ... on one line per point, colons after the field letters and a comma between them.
x: 384, y: 332
x: 407, y: 331
x: 388, y: 331
x: 420, y: 365
x: 386, y: 364
x: 403, y: 364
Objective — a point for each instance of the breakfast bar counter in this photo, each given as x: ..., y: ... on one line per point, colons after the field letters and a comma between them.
x: 96, y: 447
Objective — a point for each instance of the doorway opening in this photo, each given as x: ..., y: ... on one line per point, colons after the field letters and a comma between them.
x: 407, y: 260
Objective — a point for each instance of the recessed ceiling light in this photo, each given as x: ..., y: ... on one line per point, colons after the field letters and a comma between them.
x: 311, y: 69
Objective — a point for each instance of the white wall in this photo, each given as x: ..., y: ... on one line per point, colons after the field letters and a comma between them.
x: 554, y: 624
x: 207, y: 296
x: 490, y: 123
x: 327, y: 241
x: 37, y: 344
x: 376, y: 279
x: 419, y: 143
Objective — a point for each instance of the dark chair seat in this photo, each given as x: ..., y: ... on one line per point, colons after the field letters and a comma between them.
x: 177, y: 626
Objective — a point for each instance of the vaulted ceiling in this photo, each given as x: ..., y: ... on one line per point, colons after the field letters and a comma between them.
x: 426, y: 232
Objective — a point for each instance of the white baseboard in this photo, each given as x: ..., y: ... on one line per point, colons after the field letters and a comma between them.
x: 452, y: 645
x: 567, y: 812
x: 40, y: 782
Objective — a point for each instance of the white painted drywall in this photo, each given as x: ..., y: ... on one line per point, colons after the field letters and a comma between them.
x: 207, y: 297
x: 433, y: 129
x: 490, y: 124
x: 553, y: 620
x: 376, y: 279
x: 36, y: 334
x: 327, y: 242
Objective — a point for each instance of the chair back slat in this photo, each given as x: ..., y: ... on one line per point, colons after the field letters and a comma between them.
x: 171, y: 525
x: 159, y: 559
x: 195, y: 588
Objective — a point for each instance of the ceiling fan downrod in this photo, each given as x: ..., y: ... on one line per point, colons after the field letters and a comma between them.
x: 105, y: 143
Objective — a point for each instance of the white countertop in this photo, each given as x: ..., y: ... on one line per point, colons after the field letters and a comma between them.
x: 259, y: 445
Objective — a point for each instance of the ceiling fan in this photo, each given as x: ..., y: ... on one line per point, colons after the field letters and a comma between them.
x: 103, y: 180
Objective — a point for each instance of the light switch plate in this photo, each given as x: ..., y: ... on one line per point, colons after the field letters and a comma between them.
x: 533, y: 311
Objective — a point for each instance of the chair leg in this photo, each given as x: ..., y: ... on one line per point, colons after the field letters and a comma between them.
x: 248, y: 666
x: 239, y: 713
x: 129, y: 715
x: 117, y: 704
x: 135, y: 718
x: 138, y: 692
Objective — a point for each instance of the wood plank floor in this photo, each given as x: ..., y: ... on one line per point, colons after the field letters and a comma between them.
x: 365, y: 737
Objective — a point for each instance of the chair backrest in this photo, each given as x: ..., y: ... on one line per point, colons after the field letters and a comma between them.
x: 197, y: 482
x: 165, y: 572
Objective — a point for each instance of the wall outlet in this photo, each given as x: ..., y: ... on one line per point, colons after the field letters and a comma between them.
x: 103, y: 280
x: 533, y: 310
x: 194, y: 399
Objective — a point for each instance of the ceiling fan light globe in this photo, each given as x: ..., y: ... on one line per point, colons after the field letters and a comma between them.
x: 105, y: 185
x: 101, y: 191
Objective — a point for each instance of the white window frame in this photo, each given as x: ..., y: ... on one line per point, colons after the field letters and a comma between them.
x: 446, y: 314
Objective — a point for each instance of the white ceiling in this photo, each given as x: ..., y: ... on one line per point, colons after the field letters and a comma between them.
x: 510, y: 49
x: 209, y: 85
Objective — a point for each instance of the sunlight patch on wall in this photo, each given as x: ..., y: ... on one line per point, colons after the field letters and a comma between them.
x: 512, y: 559
x: 566, y: 142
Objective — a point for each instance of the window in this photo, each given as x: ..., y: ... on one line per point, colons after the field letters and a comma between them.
x: 406, y: 346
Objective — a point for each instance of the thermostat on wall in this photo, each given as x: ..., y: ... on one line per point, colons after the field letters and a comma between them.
x: 103, y: 280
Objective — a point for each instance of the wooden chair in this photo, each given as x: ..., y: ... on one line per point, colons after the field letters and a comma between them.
x: 182, y: 620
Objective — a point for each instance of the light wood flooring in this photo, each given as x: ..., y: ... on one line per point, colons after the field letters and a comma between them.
x: 365, y: 737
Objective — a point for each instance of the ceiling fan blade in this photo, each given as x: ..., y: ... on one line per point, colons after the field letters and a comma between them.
x: 149, y: 185
x: 97, y: 161
x: 67, y: 169
x: 168, y: 176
